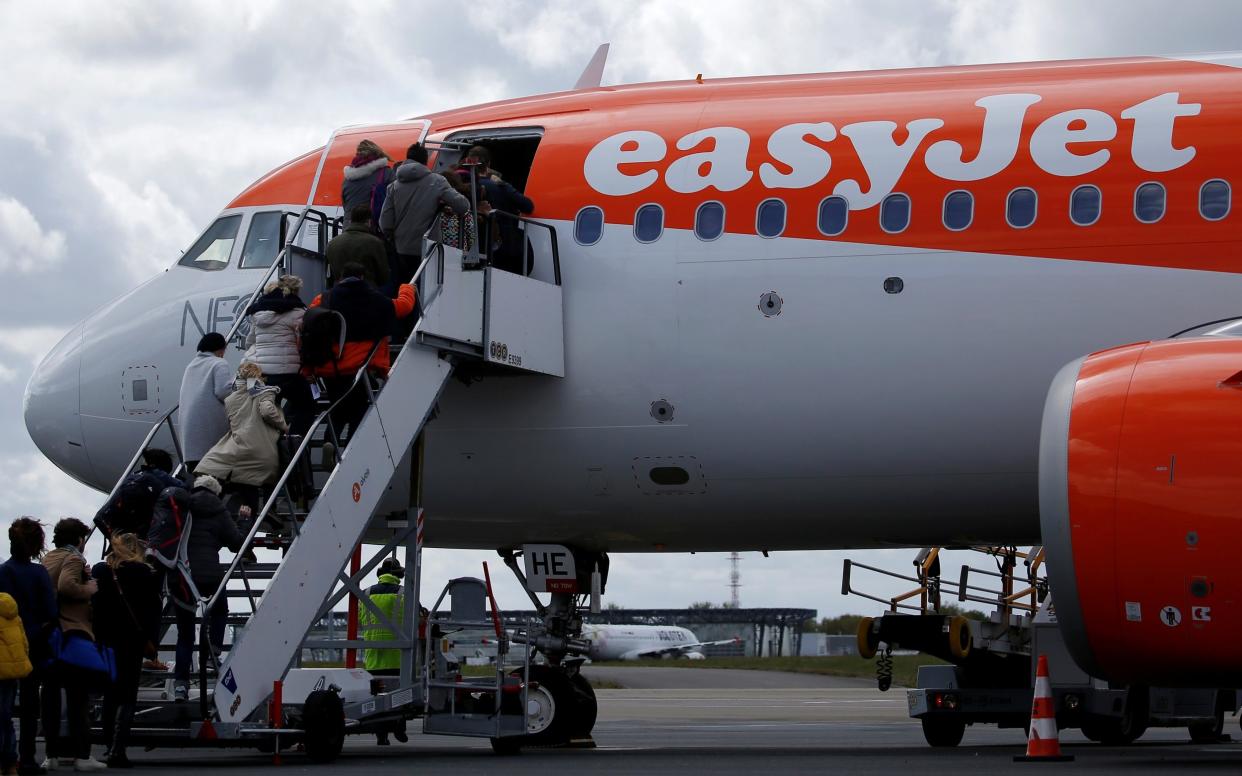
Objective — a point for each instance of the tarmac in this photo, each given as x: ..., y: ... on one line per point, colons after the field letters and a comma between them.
x: 726, y: 721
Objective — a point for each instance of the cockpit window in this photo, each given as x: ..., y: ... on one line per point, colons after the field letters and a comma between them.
x: 1230, y: 327
x: 262, y: 240
x: 213, y: 249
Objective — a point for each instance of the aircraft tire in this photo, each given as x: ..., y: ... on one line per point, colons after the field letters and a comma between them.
x: 323, y: 719
x: 943, y: 732
x: 583, y: 721
x: 551, y: 707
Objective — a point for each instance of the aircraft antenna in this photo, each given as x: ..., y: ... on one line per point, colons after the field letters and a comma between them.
x: 735, y: 580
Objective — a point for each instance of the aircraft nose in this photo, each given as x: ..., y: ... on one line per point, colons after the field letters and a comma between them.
x: 50, y: 406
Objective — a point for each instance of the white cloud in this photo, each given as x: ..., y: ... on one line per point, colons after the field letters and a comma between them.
x: 24, y: 245
x: 135, y: 123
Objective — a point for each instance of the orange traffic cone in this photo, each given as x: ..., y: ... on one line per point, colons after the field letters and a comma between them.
x: 1043, y: 745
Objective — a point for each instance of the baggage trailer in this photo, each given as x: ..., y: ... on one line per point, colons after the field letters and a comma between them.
x: 990, y: 675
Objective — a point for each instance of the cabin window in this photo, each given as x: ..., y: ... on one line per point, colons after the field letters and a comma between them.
x: 213, y: 249
x: 1085, y: 205
x: 1214, y: 200
x: 709, y: 221
x: 1021, y: 207
x: 895, y: 213
x: 262, y: 240
x: 959, y: 210
x: 588, y: 225
x: 770, y: 218
x: 648, y: 223
x: 834, y: 214
x: 1149, y: 203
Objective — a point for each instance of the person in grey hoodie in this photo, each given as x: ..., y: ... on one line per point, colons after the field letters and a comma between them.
x: 207, y: 381
x: 413, y: 202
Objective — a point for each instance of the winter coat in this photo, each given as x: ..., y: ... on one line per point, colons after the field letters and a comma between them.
x: 211, y: 528
x: 201, y: 418
x: 29, y: 584
x: 413, y: 202
x: 357, y: 244
x: 365, y: 181
x: 114, y: 624
x: 369, y: 316
x: 67, y: 570
x: 247, y: 453
x: 388, y: 597
x: 275, y: 323
x: 14, y: 649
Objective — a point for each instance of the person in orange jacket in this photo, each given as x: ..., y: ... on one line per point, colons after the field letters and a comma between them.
x: 369, y: 318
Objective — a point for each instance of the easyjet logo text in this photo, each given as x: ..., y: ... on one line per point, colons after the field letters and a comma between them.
x: 801, y: 154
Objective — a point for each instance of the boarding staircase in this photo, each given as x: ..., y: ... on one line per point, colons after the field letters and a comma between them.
x: 321, y: 509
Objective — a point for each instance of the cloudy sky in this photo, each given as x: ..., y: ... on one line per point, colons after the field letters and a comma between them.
x: 126, y: 126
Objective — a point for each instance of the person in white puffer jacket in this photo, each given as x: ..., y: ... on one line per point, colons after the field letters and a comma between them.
x: 272, y: 345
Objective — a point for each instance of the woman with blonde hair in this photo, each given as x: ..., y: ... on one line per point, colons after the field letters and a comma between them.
x: 246, y: 458
x: 126, y: 611
x: 272, y: 345
x: 366, y: 180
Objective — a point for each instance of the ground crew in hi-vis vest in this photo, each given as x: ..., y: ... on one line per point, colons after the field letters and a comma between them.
x: 389, y: 599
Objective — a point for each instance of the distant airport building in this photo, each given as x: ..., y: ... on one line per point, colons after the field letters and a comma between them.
x: 828, y: 645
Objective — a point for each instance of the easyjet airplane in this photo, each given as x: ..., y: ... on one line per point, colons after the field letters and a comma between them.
x: 800, y: 312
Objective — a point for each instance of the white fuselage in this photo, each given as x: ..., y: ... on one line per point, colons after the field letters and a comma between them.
x: 853, y: 418
x: 634, y: 642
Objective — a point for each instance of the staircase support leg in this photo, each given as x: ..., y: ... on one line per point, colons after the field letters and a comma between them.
x: 351, y: 654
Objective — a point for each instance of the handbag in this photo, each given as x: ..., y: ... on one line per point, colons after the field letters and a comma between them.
x: 76, y: 651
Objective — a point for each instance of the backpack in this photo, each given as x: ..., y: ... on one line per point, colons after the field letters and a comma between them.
x: 170, y: 519
x: 130, y: 509
x: 322, y: 328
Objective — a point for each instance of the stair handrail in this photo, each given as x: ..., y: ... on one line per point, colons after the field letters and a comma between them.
x: 295, y: 459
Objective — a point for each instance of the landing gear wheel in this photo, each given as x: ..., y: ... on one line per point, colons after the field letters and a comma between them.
x: 550, y: 707
x: 1210, y: 732
x: 942, y: 732
x: 583, y: 720
x: 323, y: 719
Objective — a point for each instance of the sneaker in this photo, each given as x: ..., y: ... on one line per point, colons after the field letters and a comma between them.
x: 401, y: 736
x: 181, y: 692
x: 88, y: 764
x: 329, y: 455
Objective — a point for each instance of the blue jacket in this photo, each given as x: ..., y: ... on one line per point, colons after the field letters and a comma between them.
x: 31, y: 587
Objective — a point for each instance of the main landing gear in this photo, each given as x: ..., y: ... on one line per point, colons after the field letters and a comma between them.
x: 561, y: 705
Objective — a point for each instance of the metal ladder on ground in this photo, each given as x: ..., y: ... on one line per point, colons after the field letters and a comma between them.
x: 465, y: 304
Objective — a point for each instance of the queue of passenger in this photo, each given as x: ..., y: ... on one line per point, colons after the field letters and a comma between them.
x: 57, y: 614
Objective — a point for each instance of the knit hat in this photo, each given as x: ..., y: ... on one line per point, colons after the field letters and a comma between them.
x: 392, y: 566
x: 207, y: 482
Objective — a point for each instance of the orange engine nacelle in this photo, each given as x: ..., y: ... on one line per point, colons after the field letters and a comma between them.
x: 1141, y: 508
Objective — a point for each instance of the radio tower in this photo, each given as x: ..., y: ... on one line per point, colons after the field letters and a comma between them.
x: 735, y: 580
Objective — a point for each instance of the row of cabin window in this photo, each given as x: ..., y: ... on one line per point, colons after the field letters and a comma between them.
x: 1021, y: 207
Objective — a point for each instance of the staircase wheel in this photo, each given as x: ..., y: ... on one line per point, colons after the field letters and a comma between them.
x: 867, y: 642
x: 959, y: 636
x: 323, y: 719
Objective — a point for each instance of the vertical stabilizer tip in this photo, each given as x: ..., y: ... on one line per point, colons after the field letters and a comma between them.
x: 593, y: 76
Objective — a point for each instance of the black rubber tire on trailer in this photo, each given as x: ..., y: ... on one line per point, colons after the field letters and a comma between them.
x: 323, y: 719
x: 507, y: 747
x: 1125, y: 730
x: 943, y: 731
x: 1211, y: 732
x: 583, y: 720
